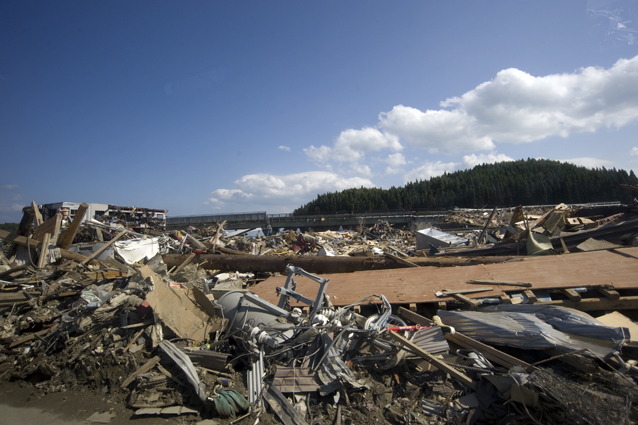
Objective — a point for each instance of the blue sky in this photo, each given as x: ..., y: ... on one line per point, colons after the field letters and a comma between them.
x: 218, y: 106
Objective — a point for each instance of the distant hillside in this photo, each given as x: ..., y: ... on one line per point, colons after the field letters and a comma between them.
x: 524, y: 182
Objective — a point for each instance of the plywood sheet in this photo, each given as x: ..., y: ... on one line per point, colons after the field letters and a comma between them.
x: 616, y: 268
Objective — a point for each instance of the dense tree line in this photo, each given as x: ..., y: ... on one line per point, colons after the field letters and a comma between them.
x: 523, y: 182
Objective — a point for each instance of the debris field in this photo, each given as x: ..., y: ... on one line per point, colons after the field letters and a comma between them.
x: 506, y: 316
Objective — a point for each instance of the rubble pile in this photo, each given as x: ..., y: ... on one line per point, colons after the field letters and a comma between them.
x: 183, y: 339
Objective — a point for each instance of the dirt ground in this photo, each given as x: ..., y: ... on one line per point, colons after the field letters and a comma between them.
x: 21, y: 403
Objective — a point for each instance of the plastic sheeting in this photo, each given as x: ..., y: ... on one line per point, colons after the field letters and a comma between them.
x: 536, y: 327
x: 134, y: 250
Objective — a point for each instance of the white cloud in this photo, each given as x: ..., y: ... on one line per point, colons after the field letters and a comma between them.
x: 434, y: 169
x: 590, y: 162
x: 362, y: 170
x: 428, y: 170
x: 10, y: 186
x: 514, y: 107
x: 284, y: 148
x: 633, y: 151
x: 8, y: 207
x: 284, y: 193
x: 470, y: 161
x: 396, y: 160
x: 352, y: 145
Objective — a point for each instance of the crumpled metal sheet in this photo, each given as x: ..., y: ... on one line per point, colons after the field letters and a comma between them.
x: 536, y: 327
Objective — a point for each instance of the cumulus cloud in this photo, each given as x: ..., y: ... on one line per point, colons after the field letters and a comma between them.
x: 434, y: 169
x: 428, y: 170
x: 470, y: 161
x: 284, y: 148
x: 396, y: 160
x: 589, y: 162
x: 633, y: 151
x: 352, y: 145
x: 285, y: 192
x: 514, y: 107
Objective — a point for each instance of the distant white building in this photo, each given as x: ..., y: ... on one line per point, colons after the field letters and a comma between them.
x: 134, y: 216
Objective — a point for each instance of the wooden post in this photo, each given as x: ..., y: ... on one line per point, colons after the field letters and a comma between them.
x: 36, y: 211
x: 75, y: 225
x: 42, y: 261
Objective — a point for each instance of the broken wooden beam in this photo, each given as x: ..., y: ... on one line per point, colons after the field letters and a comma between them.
x: 460, y: 376
x: 75, y: 225
x: 104, y: 247
x: 146, y: 367
x: 36, y: 212
x: 21, y: 240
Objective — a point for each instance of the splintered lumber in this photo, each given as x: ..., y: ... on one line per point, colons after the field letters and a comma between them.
x: 36, y: 211
x: 105, y: 246
x: 244, y: 263
x: 21, y: 240
x: 146, y: 367
x: 75, y: 225
x: 51, y: 226
x: 487, y: 223
x: 460, y: 376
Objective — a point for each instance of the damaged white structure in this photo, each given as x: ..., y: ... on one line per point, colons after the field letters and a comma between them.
x: 437, y: 238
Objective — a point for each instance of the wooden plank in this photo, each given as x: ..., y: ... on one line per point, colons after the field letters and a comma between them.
x: 607, y: 292
x: 51, y: 226
x: 186, y: 262
x: 591, y: 304
x: 460, y: 376
x: 21, y: 240
x: 499, y: 282
x: 505, y: 299
x: 530, y: 296
x: 400, y: 260
x: 565, y: 250
x: 44, y: 251
x: 413, y: 317
x: 469, y: 301
x: 36, y: 211
x: 75, y: 225
x: 571, y: 294
x: 448, y: 292
x: 491, y: 353
x: 106, y: 245
x: 146, y: 367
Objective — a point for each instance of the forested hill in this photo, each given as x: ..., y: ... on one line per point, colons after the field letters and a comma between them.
x: 530, y: 182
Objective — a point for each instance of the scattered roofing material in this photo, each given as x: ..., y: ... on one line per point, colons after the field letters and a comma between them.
x: 536, y: 327
x: 437, y: 238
